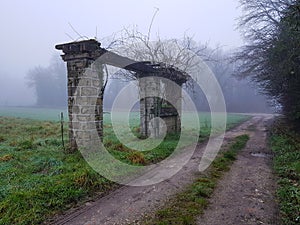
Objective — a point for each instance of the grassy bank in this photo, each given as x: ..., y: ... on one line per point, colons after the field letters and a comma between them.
x: 286, y: 147
x: 186, y: 206
x: 39, y: 179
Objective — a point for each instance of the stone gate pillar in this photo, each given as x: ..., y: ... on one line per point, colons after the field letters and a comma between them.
x: 154, y: 107
x: 149, y: 106
x: 79, y: 56
x: 171, y: 113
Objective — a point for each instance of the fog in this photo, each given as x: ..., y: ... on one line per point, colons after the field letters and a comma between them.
x: 14, y: 91
x: 30, y: 30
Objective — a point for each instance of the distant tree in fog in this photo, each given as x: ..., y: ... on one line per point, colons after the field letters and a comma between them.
x: 49, y: 83
x: 240, y: 94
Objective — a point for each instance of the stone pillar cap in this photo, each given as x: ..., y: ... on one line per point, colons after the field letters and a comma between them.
x: 79, y: 47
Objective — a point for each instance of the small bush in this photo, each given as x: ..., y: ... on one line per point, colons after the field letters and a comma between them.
x: 108, y: 143
x: 2, y: 139
x: 53, y: 141
x: 137, y: 158
x: 6, y: 158
x: 26, y: 144
x: 120, y: 147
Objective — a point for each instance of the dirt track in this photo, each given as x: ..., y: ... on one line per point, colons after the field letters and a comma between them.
x: 244, y: 196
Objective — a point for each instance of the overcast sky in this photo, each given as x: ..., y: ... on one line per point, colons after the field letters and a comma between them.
x: 31, y: 28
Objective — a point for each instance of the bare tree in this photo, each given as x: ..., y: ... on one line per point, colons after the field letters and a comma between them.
x: 271, y: 54
x: 177, y: 53
x: 49, y: 83
x: 259, y: 25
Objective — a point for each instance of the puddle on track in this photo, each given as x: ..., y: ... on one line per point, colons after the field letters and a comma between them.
x: 260, y: 155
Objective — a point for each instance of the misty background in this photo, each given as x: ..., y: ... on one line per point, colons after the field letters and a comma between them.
x: 32, y: 73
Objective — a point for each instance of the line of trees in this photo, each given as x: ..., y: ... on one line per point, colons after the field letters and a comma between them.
x: 271, y: 56
x: 240, y: 94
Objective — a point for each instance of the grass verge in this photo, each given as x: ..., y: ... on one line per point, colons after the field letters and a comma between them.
x: 37, y: 178
x: 187, y: 205
x: 286, y: 147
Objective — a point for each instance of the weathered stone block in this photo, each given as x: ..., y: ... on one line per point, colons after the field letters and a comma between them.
x: 86, y: 100
x: 83, y: 118
x: 89, y: 91
x: 76, y: 109
x: 96, y: 83
x: 88, y: 110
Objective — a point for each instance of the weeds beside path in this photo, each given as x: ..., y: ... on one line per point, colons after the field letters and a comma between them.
x: 286, y: 147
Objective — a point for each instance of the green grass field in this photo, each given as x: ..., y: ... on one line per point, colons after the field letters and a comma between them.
x: 39, y: 179
x: 33, y: 113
